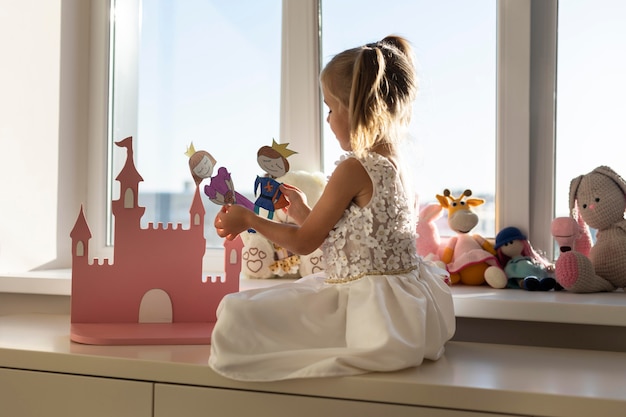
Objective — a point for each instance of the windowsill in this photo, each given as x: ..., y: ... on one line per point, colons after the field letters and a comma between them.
x: 59, y: 282
x: 607, y: 309
x: 46, y: 282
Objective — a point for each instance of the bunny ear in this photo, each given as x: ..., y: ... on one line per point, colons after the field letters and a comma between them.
x: 573, y: 190
x: 431, y: 212
x: 604, y: 170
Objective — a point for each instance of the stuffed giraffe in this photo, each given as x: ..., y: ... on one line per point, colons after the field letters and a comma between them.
x: 470, y: 259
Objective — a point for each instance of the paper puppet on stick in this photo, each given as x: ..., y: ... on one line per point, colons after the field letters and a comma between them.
x: 221, y: 189
x: 272, y: 160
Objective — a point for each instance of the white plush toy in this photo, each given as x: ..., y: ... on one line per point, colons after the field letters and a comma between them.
x: 263, y: 259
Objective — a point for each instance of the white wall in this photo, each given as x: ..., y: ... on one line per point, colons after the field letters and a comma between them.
x: 42, y: 116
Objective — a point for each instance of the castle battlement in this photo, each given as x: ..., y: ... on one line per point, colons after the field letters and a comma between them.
x: 215, y: 279
x: 166, y: 226
x: 100, y: 262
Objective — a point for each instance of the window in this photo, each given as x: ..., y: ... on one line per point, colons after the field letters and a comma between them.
x: 591, y: 90
x: 56, y: 120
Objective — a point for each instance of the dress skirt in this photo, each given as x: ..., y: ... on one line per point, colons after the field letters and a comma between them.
x: 310, y: 328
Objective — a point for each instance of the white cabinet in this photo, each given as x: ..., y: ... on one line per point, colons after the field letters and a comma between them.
x: 35, y: 394
x: 177, y: 400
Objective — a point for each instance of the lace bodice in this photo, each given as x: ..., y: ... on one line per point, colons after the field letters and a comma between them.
x: 378, y: 238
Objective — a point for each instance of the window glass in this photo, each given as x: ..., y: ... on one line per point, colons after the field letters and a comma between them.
x: 590, y: 128
x: 453, y: 131
x: 207, y: 72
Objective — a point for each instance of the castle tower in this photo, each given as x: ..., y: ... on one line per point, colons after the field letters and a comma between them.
x: 80, y: 235
x: 196, y: 222
x: 196, y: 211
x: 128, y: 202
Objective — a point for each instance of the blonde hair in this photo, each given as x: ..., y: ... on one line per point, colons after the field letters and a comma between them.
x: 377, y: 84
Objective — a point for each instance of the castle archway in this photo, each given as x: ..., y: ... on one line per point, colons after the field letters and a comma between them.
x: 156, y: 307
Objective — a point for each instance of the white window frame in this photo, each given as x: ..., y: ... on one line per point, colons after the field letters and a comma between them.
x: 525, y: 167
x: 525, y: 120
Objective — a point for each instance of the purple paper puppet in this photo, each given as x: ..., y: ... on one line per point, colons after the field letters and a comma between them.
x: 221, y: 189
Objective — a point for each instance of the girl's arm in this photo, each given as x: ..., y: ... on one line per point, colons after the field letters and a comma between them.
x: 350, y: 182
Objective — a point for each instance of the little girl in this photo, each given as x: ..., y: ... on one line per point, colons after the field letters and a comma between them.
x: 378, y: 306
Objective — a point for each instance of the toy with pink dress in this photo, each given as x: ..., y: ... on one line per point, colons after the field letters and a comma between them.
x: 469, y: 258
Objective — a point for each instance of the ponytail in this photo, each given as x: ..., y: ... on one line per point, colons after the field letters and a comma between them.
x: 377, y: 84
x: 365, y: 105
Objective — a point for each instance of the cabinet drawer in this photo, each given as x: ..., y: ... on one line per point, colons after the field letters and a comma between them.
x: 34, y: 394
x: 176, y: 401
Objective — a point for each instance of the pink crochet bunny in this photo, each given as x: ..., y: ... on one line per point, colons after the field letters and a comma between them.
x: 597, y: 199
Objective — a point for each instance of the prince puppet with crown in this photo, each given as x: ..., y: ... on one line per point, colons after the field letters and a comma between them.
x: 272, y: 160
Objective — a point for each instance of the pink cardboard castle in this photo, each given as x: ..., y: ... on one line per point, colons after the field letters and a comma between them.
x: 154, y: 292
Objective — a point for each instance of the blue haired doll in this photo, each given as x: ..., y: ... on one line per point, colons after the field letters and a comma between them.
x: 523, y: 266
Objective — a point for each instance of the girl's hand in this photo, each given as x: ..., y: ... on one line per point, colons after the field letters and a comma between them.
x: 298, y: 208
x: 231, y: 220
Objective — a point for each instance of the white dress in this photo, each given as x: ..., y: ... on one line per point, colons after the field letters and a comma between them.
x: 377, y: 307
